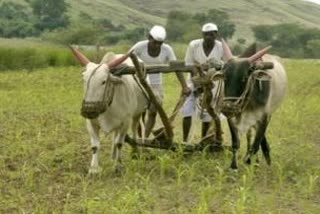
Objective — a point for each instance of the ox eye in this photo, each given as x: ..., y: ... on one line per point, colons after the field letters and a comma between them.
x: 104, y: 82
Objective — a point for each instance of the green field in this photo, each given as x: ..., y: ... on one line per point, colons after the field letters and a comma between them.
x: 45, y: 155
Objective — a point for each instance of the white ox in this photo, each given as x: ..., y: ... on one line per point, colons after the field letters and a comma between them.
x: 110, y: 104
x: 253, y: 89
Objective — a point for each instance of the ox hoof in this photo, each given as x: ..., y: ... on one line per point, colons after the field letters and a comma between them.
x: 95, y: 170
x: 248, y: 161
x: 234, y: 166
x: 267, y: 158
x: 119, y: 169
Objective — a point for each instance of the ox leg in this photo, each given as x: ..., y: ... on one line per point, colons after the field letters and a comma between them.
x: 117, y: 145
x: 260, y: 139
x: 266, y: 150
x: 134, y: 127
x: 249, y: 136
x: 93, y: 130
x: 151, y: 121
x: 235, y: 143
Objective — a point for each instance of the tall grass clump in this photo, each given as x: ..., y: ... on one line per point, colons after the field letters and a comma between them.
x: 30, y: 55
x: 19, y: 54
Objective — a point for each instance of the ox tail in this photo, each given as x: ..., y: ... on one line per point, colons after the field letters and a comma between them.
x: 143, y: 130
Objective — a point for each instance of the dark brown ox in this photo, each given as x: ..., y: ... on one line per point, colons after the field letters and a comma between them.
x: 254, y: 86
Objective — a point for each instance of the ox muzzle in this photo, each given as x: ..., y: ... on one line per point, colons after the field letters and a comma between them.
x: 231, y: 106
x: 91, y: 110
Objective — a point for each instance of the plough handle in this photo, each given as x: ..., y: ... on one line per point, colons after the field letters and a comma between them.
x: 162, y: 114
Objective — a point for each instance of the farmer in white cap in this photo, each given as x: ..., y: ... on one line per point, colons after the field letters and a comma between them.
x: 200, y: 51
x: 155, y: 51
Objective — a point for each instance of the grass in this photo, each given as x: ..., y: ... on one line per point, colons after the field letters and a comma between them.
x: 45, y: 155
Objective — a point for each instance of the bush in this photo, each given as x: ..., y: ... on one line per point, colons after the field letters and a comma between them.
x: 23, y: 54
x: 313, y: 48
x: 29, y: 55
x: 290, y: 40
x: 183, y: 27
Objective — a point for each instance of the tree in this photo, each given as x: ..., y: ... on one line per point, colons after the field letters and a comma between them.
x: 220, y: 18
x: 313, y: 48
x: 50, y: 14
x: 177, y: 25
x: 262, y: 32
x: 182, y: 26
x: 14, y: 21
x: 289, y: 40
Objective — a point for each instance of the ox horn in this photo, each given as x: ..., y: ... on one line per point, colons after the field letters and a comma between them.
x: 226, y: 50
x: 258, y: 55
x: 114, y: 63
x: 80, y: 56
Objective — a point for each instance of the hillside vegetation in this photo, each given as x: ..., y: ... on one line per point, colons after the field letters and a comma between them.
x: 244, y: 13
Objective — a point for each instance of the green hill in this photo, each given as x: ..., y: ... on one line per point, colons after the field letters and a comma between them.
x: 244, y: 13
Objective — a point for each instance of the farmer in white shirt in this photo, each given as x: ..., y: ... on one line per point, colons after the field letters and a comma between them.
x: 200, y: 51
x: 155, y: 51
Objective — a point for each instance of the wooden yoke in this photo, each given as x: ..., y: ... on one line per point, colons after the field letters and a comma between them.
x: 162, y: 114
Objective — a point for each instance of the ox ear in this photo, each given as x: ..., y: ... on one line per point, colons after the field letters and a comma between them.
x: 252, y: 49
x: 115, y: 79
x: 114, y: 63
x: 258, y: 55
x: 263, y: 65
x: 79, y: 56
x: 108, y: 57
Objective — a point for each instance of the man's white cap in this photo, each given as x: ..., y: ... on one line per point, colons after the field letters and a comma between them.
x: 158, y: 33
x: 209, y: 27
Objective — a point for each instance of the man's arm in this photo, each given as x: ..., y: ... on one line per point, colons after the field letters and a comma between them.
x: 180, y: 76
x: 183, y: 83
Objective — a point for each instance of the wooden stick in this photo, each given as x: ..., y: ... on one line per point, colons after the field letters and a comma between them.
x: 207, y: 103
x: 204, y: 144
x: 151, y: 69
x: 160, y: 131
x: 162, y: 114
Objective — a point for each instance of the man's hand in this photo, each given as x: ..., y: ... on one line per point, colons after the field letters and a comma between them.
x: 186, y: 90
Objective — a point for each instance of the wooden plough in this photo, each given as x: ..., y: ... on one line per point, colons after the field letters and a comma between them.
x: 164, y: 137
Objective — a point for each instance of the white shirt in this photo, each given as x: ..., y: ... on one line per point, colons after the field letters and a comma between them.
x: 195, y: 52
x: 166, y: 54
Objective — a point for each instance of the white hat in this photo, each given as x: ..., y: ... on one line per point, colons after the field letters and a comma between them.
x: 209, y: 27
x: 158, y: 33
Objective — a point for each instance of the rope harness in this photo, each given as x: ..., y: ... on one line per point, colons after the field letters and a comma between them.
x: 235, y: 105
x: 210, y: 80
x: 93, y: 109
